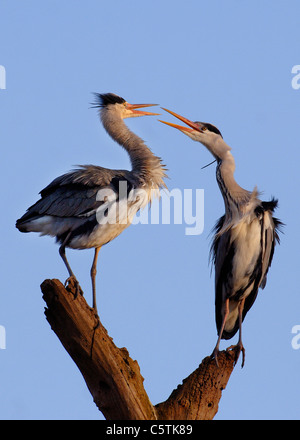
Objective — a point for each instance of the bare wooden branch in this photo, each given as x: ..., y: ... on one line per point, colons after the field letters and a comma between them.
x: 199, y: 395
x: 114, y: 379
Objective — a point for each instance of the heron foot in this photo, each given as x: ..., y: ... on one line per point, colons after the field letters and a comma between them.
x: 71, y: 283
x: 238, y: 348
x: 214, y: 355
x: 98, y: 321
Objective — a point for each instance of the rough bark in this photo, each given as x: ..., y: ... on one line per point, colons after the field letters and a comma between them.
x: 114, y: 379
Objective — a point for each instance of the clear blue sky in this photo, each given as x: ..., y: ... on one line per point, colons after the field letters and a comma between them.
x: 228, y: 63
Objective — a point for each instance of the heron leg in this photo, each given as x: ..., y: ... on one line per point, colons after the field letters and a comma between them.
x: 93, y: 277
x: 239, y: 346
x: 216, y: 349
x: 62, y: 253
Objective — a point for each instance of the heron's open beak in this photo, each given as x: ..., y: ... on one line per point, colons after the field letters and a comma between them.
x: 185, y: 120
x: 133, y: 107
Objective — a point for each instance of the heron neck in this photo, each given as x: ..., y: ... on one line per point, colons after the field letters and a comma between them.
x: 145, y: 165
x: 235, y: 197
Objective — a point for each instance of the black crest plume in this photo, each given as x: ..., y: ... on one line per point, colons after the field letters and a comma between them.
x: 102, y: 100
x: 212, y: 128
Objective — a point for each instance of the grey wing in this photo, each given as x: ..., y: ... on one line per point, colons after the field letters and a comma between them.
x: 222, y: 254
x: 269, y: 237
x: 74, y: 194
x: 221, y: 249
x: 87, y: 176
x: 67, y: 201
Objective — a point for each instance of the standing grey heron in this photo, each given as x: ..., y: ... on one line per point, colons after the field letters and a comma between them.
x: 244, y: 240
x: 88, y: 207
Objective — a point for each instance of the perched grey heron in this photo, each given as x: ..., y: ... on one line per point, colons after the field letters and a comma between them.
x: 90, y: 206
x: 244, y: 240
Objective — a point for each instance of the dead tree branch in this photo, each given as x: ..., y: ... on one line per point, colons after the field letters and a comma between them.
x: 114, y: 379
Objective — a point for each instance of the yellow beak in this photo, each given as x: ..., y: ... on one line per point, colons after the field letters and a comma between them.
x: 183, y: 119
x: 132, y: 107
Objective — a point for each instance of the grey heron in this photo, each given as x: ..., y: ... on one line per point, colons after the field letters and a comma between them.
x: 75, y: 207
x: 244, y: 239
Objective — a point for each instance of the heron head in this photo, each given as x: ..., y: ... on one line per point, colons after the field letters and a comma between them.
x: 198, y: 131
x: 204, y: 132
x: 109, y: 102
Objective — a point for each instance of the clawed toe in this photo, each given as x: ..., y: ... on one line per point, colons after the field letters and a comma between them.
x: 72, y: 282
x: 238, y: 349
x: 214, y: 356
x: 97, y: 321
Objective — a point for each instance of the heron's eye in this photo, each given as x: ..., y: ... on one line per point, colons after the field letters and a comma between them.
x: 204, y: 128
